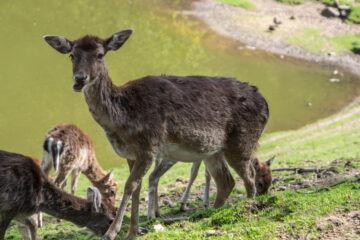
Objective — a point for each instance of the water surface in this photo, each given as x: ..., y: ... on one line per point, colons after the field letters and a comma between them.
x: 36, y: 93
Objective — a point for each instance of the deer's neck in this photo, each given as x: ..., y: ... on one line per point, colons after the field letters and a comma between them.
x: 95, y: 173
x: 104, y: 101
x: 71, y: 208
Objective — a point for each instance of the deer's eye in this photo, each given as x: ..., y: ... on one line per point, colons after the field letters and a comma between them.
x: 71, y: 57
x: 99, y: 56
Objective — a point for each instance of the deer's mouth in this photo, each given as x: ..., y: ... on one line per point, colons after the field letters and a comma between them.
x: 78, y: 86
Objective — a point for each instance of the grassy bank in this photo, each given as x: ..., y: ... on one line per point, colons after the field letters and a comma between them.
x: 288, y: 212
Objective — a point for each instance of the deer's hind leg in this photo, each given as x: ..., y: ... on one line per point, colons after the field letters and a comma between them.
x: 193, y: 174
x: 75, y: 174
x: 222, y: 177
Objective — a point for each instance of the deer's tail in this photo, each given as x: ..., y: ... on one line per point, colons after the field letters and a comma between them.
x: 52, y: 150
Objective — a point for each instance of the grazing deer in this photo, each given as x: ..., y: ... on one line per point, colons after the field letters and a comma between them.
x: 71, y: 151
x: 191, y: 119
x: 263, y: 180
x: 25, y: 189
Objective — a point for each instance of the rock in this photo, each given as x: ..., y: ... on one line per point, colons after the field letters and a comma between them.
x: 271, y: 28
x: 309, y: 104
x: 343, y: 7
x: 344, y: 13
x: 282, y: 188
x: 331, y: 54
x: 168, y: 203
x: 306, y: 185
x: 213, y: 233
x: 330, y: 12
x: 276, y: 21
x: 292, y: 17
x: 250, y: 47
x: 282, y: 56
x: 334, y: 80
x: 159, y: 228
x: 335, y: 72
x: 240, y: 47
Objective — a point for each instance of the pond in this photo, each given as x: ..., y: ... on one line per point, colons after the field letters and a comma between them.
x: 36, y: 81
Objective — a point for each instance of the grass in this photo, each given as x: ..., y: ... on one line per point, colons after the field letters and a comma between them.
x: 312, y: 40
x: 245, y: 4
x: 287, y: 214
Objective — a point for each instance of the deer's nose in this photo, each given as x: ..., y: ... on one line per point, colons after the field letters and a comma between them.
x: 80, y: 78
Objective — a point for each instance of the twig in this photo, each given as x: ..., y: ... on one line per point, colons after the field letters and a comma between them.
x: 169, y: 221
x: 335, y: 184
x: 300, y: 170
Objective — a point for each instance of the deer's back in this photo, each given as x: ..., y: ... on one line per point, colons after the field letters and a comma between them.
x: 198, y: 111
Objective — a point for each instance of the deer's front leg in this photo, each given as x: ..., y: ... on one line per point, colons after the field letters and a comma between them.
x: 160, y: 169
x: 140, y: 167
x: 134, y: 222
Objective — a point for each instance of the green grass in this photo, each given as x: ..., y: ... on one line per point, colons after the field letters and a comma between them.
x: 245, y: 4
x: 289, y: 214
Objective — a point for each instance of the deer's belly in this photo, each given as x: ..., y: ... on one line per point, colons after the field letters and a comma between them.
x: 177, y: 153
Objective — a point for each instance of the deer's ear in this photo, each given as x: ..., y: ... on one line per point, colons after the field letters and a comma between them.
x: 108, y: 177
x: 256, y: 164
x: 117, y: 39
x: 270, y: 161
x: 59, y: 43
x: 93, y: 195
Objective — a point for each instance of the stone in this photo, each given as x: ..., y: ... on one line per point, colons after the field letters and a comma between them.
x: 159, y: 228
x: 168, y: 203
x: 250, y: 47
x: 335, y: 72
x: 292, y: 17
x: 271, y: 28
x: 330, y: 12
x: 344, y: 7
x: 334, y: 80
x: 331, y: 54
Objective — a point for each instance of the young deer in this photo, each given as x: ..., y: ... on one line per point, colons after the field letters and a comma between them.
x: 175, y: 118
x: 263, y: 181
x: 71, y: 151
x: 25, y: 190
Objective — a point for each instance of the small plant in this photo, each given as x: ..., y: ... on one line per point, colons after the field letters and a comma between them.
x: 354, y: 16
x: 245, y: 4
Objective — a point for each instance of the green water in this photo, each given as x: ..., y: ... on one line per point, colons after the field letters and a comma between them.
x: 36, y: 81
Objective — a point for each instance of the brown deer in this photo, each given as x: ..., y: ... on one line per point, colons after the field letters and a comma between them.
x: 71, y: 151
x: 25, y: 190
x: 263, y: 181
x: 191, y: 119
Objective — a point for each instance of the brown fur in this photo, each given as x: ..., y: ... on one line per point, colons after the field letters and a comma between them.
x: 77, y: 156
x: 25, y: 189
x: 180, y: 118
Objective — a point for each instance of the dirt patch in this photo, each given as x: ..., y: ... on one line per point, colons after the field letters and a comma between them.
x: 339, y: 225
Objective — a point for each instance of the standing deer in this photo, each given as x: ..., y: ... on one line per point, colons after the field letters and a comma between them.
x: 71, y: 151
x: 189, y: 119
x: 263, y: 180
x: 25, y: 189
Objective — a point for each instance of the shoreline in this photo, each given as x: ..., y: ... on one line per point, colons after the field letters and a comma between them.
x: 218, y: 17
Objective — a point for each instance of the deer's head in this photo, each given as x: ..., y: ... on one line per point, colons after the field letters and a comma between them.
x: 87, y: 55
x: 263, y: 178
x: 102, y: 214
x: 108, y: 188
